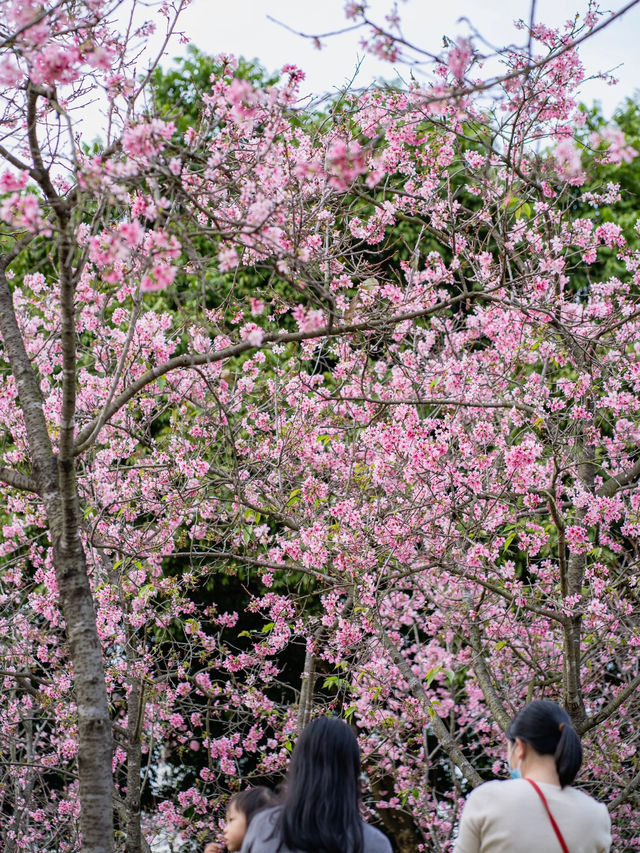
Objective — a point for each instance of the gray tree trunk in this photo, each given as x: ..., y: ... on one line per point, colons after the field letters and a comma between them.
x: 53, y: 478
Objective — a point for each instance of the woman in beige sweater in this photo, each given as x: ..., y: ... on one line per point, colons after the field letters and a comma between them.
x: 537, y: 810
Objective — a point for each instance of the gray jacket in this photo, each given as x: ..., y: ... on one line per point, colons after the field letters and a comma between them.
x: 261, y: 838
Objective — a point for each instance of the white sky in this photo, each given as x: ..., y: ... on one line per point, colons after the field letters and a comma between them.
x: 242, y: 27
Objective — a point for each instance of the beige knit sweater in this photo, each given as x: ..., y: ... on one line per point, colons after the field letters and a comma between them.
x: 509, y: 817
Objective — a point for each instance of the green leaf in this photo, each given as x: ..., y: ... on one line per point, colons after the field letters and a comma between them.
x: 293, y: 497
x: 435, y: 670
x: 509, y: 540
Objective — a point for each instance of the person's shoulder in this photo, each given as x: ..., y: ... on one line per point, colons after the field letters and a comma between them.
x: 260, y: 829
x: 494, y: 788
x: 495, y: 792
x: 374, y: 840
x: 266, y: 816
x: 587, y: 802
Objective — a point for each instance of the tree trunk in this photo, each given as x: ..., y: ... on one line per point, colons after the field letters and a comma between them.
x: 95, y: 745
x: 398, y: 825
x: 55, y: 483
x: 135, y: 714
x: 573, y: 697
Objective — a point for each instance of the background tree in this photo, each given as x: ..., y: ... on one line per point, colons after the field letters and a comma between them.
x: 341, y: 365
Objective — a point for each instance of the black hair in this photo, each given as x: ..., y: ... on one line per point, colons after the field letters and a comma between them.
x: 547, y: 727
x: 252, y: 801
x: 321, y: 808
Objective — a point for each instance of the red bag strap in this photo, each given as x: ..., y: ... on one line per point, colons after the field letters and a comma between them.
x: 555, y: 826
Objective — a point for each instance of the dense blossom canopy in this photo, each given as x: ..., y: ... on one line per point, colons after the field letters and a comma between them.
x: 306, y: 410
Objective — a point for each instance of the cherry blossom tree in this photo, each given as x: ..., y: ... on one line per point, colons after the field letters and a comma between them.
x: 362, y: 368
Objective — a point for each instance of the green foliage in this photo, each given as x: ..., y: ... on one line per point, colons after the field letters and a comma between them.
x: 178, y: 92
x: 599, y: 175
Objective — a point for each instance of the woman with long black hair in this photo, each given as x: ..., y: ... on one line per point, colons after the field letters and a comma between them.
x: 320, y: 811
x: 537, y: 809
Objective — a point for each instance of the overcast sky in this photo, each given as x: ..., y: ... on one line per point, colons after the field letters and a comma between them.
x: 242, y: 27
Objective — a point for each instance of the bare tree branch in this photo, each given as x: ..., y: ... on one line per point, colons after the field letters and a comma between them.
x: 619, y: 481
x: 485, y: 677
x: 187, y: 361
x: 624, y: 794
x: 17, y: 480
x: 611, y: 706
x: 449, y: 745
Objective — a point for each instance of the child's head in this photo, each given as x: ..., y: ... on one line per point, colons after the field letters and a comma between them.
x: 240, y: 810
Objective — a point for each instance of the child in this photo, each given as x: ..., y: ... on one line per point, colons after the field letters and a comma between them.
x: 240, y: 810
